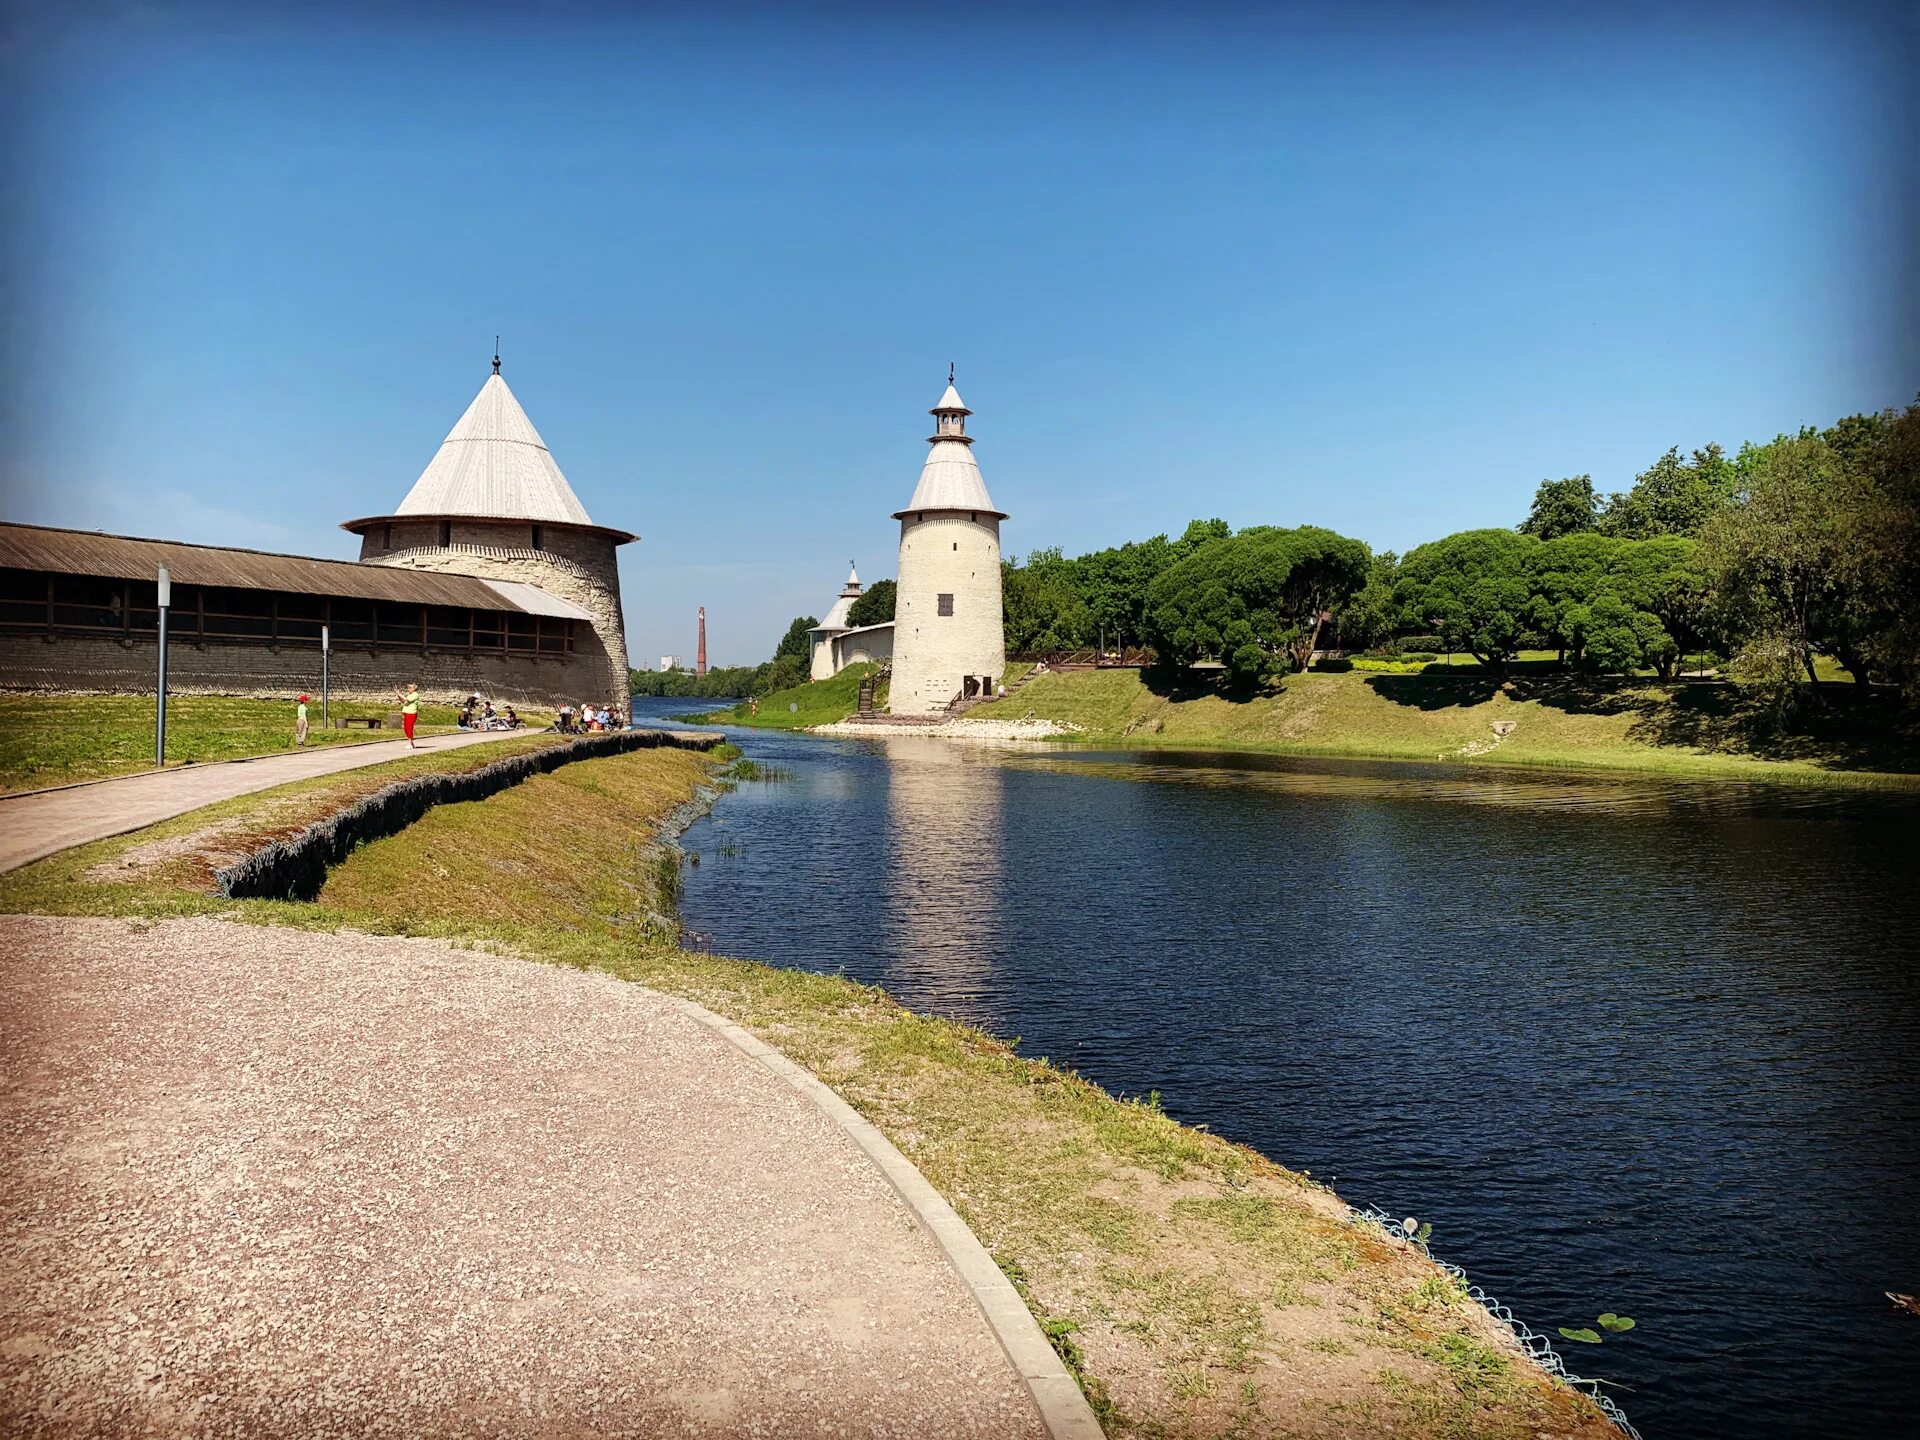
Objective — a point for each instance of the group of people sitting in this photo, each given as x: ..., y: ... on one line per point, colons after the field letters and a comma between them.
x: 478, y: 714
x: 589, y: 718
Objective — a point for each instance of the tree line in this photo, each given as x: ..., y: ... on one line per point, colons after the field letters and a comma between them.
x: 1804, y: 546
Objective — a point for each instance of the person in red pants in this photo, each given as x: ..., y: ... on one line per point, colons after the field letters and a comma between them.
x: 410, y: 713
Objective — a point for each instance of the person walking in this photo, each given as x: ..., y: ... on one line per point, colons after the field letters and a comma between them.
x: 300, y: 722
x: 410, y: 712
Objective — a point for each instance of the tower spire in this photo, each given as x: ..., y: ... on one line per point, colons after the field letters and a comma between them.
x: 496, y: 354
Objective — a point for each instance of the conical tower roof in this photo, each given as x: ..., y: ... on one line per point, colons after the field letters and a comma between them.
x: 950, y: 480
x: 493, y: 463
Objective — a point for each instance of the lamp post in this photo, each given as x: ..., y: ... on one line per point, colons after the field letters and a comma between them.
x: 160, y: 709
x: 326, y: 645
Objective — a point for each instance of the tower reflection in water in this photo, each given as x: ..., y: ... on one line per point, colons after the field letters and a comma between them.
x: 944, y: 910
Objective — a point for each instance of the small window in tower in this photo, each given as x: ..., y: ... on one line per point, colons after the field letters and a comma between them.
x: 386, y: 537
x: 446, y: 532
x: 536, y: 537
x: 956, y: 544
x: 946, y: 604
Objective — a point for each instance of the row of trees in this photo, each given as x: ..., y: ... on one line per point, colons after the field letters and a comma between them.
x: 1807, y: 545
x: 789, y: 666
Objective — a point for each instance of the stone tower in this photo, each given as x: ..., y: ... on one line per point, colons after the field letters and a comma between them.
x: 493, y: 503
x: 947, y: 636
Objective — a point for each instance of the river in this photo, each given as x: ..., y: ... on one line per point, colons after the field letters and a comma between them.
x: 1629, y: 1044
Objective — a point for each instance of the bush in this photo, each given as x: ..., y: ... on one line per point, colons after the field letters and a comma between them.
x: 1333, y: 664
x: 1421, y: 642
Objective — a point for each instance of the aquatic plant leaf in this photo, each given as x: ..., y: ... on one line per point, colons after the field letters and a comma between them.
x: 1611, y: 1321
x: 1584, y: 1336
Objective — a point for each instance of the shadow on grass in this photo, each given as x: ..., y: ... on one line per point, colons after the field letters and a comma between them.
x: 1840, y: 727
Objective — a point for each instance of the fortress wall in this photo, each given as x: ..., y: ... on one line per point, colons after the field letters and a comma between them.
x: 955, y: 553
x: 95, y: 665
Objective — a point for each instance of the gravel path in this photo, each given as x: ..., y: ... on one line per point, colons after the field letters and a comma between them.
x: 36, y: 825
x: 265, y: 1183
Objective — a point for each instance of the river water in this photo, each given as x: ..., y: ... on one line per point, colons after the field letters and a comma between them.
x: 1629, y: 1045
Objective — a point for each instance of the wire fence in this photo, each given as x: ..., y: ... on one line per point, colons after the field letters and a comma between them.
x: 1538, y: 1348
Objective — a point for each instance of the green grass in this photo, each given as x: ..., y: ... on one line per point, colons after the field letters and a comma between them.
x: 820, y: 702
x: 1196, y: 1287
x: 59, y: 739
x: 1710, y: 731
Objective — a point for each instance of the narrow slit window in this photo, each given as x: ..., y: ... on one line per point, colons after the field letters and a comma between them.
x: 946, y: 604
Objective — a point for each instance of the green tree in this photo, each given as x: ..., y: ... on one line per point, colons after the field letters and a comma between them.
x: 796, y: 643
x: 1672, y: 497
x: 1561, y: 507
x: 1254, y: 600
x: 1472, y: 589
x: 1370, y: 618
x: 1881, y: 551
x: 1041, y: 609
x: 875, y: 605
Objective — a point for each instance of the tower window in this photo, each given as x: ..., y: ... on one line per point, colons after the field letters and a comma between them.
x: 386, y: 536
x: 536, y: 537
x: 446, y: 532
x: 946, y: 604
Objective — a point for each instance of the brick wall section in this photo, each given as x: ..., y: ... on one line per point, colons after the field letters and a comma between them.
x: 576, y: 565
x: 102, y: 665
x: 955, y: 553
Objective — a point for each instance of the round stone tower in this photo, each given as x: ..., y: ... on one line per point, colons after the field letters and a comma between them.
x: 493, y: 503
x: 948, y: 641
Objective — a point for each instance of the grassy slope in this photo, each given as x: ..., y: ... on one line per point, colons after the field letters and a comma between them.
x: 57, y: 739
x: 1558, y: 722
x: 820, y: 702
x: 1201, y: 1289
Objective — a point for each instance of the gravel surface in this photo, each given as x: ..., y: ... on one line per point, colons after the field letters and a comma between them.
x: 960, y: 729
x: 266, y: 1183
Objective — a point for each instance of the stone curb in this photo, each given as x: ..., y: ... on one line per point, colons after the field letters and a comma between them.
x: 1064, y: 1412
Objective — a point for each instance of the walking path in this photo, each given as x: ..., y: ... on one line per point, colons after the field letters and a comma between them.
x: 271, y: 1183
x: 35, y: 826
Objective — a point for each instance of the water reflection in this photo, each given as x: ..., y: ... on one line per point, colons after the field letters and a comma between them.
x: 944, y: 891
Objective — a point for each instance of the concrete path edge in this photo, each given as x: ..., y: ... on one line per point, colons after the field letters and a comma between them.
x: 1063, y: 1409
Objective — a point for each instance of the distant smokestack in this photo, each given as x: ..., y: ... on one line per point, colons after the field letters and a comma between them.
x: 700, y: 655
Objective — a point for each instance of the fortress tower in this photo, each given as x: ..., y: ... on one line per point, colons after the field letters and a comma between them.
x: 948, y: 641
x: 493, y: 503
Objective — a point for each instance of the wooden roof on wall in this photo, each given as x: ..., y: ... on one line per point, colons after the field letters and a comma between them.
x: 125, y: 557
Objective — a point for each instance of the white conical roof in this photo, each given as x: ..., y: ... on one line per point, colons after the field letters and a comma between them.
x: 493, y: 463
x: 836, y: 618
x: 950, y: 401
x: 950, y: 480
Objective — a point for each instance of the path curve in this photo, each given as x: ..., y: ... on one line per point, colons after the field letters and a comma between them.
x: 43, y: 822
x: 270, y: 1183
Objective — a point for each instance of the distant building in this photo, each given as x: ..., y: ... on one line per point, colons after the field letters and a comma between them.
x: 948, y: 639
x: 669, y: 662
x: 488, y: 576
x: 836, y: 645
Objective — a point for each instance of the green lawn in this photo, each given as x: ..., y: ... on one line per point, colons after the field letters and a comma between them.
x: 1560, y: 721
x: 819, y: 702
x: 58, y: 739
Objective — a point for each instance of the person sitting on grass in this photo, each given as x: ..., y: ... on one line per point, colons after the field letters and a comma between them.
x: 513, y: 718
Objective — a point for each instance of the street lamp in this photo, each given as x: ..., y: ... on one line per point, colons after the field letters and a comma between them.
x: 160, y: 710
x: 325, y: 646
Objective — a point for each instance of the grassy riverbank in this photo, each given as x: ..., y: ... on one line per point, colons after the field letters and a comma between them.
x: 1558, y: 721
x: 1199, y: 1288
x: 59, y: 739
x: 800, y: 707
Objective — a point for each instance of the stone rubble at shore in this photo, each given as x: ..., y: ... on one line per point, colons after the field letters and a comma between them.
x: 960, y: 729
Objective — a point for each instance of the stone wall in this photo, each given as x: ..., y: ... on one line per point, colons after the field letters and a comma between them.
x: 955, y: 553
x: 97, y: 665
x: 576, y: 565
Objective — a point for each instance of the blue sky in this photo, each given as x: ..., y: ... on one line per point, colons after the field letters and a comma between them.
x: 1364, y: 267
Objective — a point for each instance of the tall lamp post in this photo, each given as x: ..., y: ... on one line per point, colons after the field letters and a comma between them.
x: 160, y: 710
x: 325, y: 647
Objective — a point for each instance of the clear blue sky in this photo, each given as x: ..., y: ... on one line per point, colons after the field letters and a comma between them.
x: 1362, y: 267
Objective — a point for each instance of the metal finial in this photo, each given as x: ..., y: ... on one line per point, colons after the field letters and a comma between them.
x: 496, y: 354
x: 949, y: 372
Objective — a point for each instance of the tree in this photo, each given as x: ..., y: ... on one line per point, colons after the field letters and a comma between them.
x: 875, y: 605
x: 1561, y: 507
x: 1041, y: 610
x: 796, y: 642
x: 1777, y: 556
x: 1472, y: 589
x: 1672, y: 497
x: 1371, y: 617
x: 1881, y: 563
x: 1253, y: 600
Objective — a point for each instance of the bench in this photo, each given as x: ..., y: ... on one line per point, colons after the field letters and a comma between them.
x: 367, y: 722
